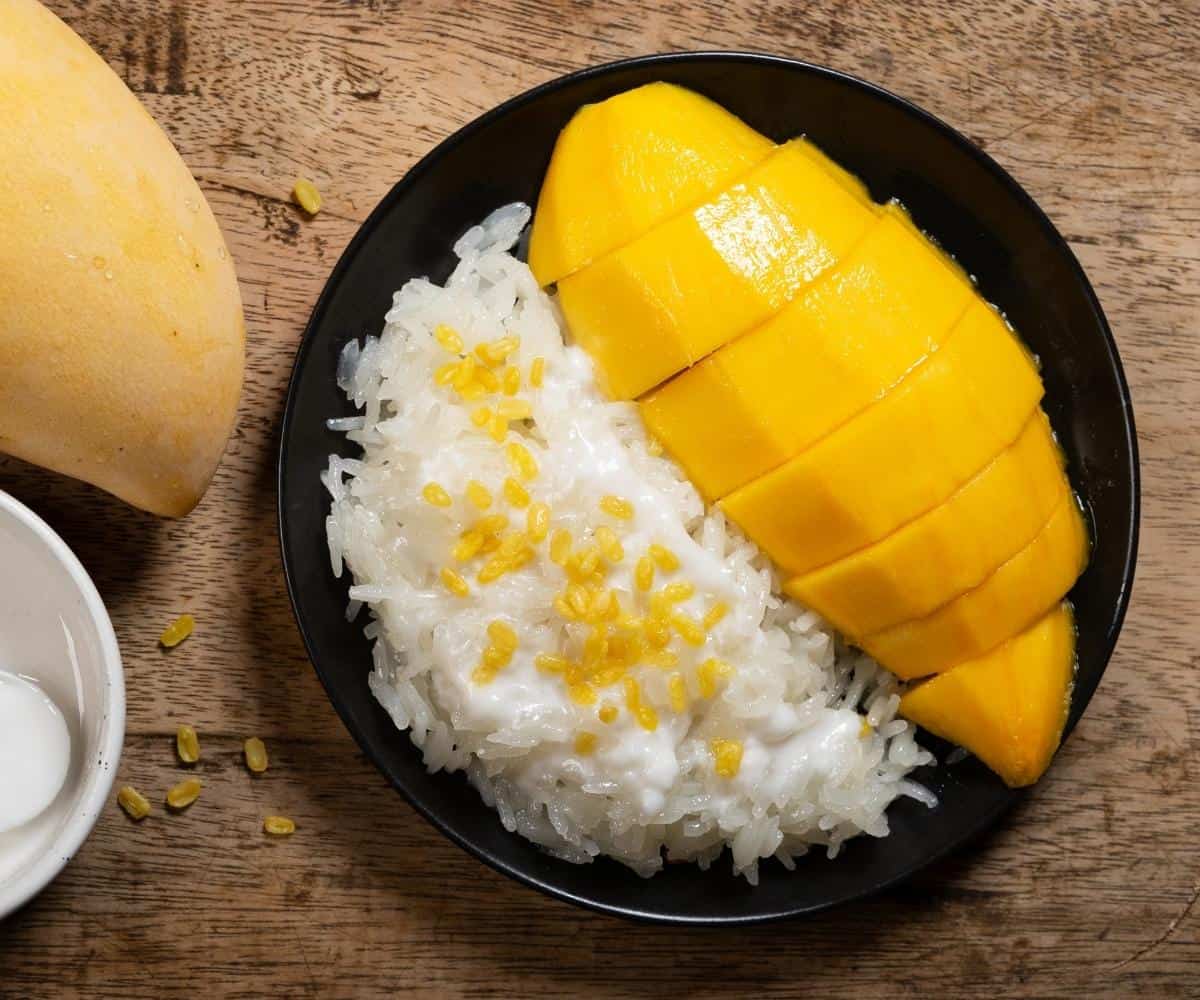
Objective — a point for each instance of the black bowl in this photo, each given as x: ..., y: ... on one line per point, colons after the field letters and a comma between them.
x: 955, y: 192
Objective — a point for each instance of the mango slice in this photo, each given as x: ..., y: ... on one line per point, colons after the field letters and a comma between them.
x: 1009, y: 706
x: 660, y: 304
x: 622, y: 166
x: 839, y: 173
x: 827, y: 356
x: 899, y: 458
x: 948, y: 551
x: 1009, y: 600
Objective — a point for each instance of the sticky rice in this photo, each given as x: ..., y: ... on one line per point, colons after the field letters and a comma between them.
x: 755, y: 729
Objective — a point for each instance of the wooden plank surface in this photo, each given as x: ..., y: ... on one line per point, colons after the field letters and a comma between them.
x: 1089, y: 887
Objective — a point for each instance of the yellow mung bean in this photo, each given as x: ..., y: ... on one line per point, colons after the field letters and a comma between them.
x: 585, y: 744
x: 664, y: 558
x: 521, y: 461
x: 177, y: 631
x: 464, y: 373
x: 478, y: 495
x: 279, y: 826
x: 184, y: 794
x: 727, y: 756
x: 617, y: 507
x: 435, y: 494
x: 550, y: 663
x: 678, y: 591
x: 255, y: 752
x: 487, y: 378
x: 643, y: 574
x: 610, y: 544
x: 560, y: 546
x: 514, y: 409
x: 468, y: 546
x: 306, y: 195
x: 502, y: 635
x: 187, y: 744
x: 454, y: 583
x: 448, y: 338
x: 135, y: 804
x: 537, y: 372
x: 515, y: 493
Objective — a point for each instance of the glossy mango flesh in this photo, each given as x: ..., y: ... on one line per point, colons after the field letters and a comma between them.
x: 901, y: 457
x: 1008, y: 601
x: 949, y: 550
x: 622, y: 166
x: 839, y: 347
x: 832, y: 379
x: 1009, y: 706
x: 692, y: 284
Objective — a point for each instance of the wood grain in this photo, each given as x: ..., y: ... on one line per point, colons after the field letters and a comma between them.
x: 1089, y: 887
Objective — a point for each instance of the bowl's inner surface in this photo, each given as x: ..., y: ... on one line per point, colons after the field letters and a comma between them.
x: 47, y: 633
x: 963, y: 200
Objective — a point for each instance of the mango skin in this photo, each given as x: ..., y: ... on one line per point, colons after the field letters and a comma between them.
x: 836, y: 349
x: 1008, y: 601
x: 1009, y: 706
x: 899, y: 458
x: 121, y: 329
x: 947, y: 551
x: 676, y: 294
x: 622, y: 166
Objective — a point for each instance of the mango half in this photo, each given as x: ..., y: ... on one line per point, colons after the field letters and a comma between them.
x: 121, y: 333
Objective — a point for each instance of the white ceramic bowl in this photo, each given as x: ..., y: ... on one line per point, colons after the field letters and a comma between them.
x: 53, y: 628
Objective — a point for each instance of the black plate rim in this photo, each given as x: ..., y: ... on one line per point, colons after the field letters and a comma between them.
x: 1080, y: 698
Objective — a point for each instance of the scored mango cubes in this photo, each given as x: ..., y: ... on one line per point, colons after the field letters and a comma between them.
x: 692, y: 284
x: 838, y: 348
x: 899, y: 458
x: 633, y: 161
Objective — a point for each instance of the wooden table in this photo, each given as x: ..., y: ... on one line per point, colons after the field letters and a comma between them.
x: 1088, y: 887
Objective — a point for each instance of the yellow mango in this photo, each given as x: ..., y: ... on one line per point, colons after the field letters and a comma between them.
x: 121, y: 335
x: 899, y: 458
x: 949, y: 550
x: 839, y: 173
x: 825, y: 357
x: 622, y: 166
x: 695, y: 282
x: 1009, y: 706
x: 1008, y: 601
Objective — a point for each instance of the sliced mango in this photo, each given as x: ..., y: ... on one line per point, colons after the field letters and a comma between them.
x: 1009, y: 706
x: 949, y: 550
x: 660, y: 304
x: 843, y: 176
x: 827, y: 356
x: 1009, y: 600
x: 899, y: 458
x: 622, y: 166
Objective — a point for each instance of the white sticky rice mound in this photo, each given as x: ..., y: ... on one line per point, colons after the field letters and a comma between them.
x: 824, y: 753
